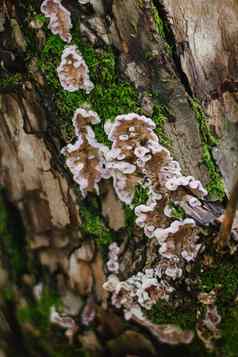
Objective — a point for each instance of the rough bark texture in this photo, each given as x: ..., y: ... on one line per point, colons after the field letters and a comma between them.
x: 205, y: 34
x: 35, y: 187
x: 187, y: 53
x: 137, y: 39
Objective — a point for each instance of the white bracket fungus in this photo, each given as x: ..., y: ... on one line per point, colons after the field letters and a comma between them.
x: 136, y: 157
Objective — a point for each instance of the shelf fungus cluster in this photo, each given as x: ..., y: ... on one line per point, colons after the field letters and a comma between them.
x: 86, y: 157
x: 60, y: 21
x: 133, y: 142
x: 136, y: 157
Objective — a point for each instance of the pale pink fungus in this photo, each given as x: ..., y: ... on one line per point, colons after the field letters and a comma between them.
x: 73, y: 71
x: 85, y: 158
x: 60, y: 21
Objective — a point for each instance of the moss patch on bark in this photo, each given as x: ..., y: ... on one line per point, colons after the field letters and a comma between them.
x: 215, y: 185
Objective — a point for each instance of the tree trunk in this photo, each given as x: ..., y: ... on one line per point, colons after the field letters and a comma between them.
x: 173, y: 61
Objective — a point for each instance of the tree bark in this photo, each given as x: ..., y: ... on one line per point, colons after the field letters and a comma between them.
x: 206, y: 40
x: 179, y: 57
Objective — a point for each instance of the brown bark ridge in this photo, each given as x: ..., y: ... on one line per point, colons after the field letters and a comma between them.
x: 205, y: 34
x: 36, y: 188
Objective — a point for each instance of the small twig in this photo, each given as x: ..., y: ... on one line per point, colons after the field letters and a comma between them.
x: 228, y: 218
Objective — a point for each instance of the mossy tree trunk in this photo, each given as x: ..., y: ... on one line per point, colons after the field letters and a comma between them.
x: 174, y: 61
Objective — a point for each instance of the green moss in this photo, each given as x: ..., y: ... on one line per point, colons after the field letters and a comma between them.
x: 94, y: 226
x: 161, y: 28
x: 160, y: 118
x: 38, y: 313
x: 223, y: 276
x: 229, y: 327
x: 215, y: 186
x: 11, y: 238
x: 184, y: 316
x: 177, y: 212
x: 158, y: 22
x: 10, y: 81
x: 163, y: 313
x: 130, y: 220
x: 141, y: 195
x: 41, y: 19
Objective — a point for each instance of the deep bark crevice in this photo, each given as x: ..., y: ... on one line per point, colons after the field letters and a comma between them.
x: 176, y: 48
